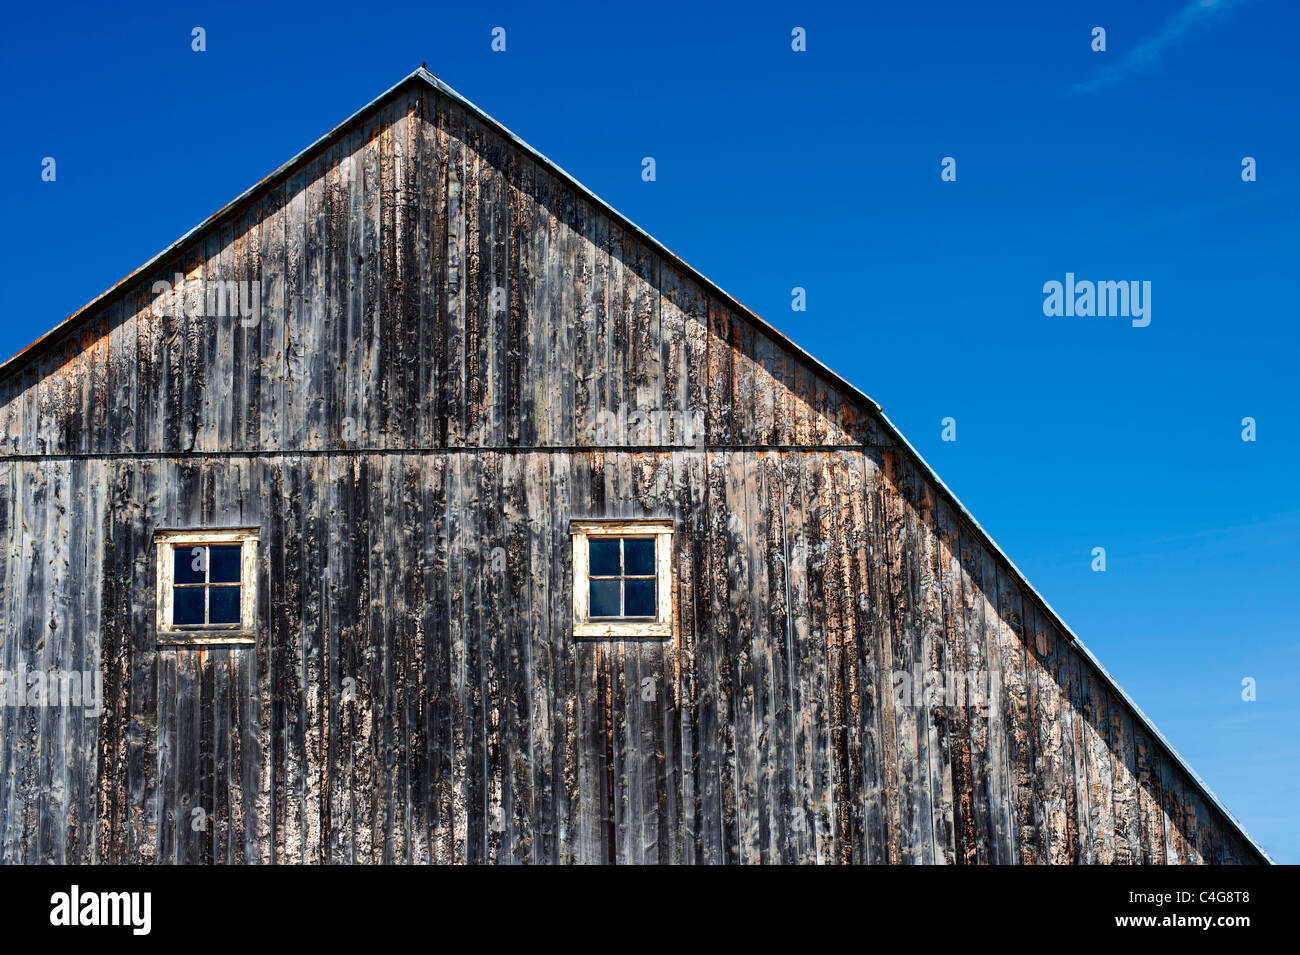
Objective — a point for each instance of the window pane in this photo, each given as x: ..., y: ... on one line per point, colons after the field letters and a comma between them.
x: 224, y: 564
x: 639, y: 555
x: 189, y: 565
x: 639, y: 598
x: 604, y: 598
x: 603, y: 557
x: 187, y: 606
x: 223, y: 604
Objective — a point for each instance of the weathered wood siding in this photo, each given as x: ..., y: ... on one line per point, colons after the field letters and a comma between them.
x: 413, y: 454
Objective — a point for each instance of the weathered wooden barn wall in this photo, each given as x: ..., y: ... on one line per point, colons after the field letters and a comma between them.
x: 413, y: 456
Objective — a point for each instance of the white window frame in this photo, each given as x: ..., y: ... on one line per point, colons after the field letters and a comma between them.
x: 245, y: 632
x: 583, y: 625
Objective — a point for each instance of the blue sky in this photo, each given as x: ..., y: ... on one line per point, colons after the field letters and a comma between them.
x: 821, y: 169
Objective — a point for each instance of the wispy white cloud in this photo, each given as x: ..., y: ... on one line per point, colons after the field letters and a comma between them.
x: 1147, y: 53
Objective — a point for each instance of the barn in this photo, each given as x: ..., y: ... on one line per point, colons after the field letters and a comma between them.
x: 417, y: 507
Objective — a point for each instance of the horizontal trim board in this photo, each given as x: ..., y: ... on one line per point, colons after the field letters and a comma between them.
x: 206, y: 640
x: 474, y: 449
x: 206, y: 535
x: 623, y: 631
x: 620, y: 526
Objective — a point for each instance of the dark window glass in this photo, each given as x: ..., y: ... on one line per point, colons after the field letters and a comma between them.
x: 224, y: 564
x: 223, y: 605
x: 196, y: 602
x: 639, y: 598
x: 187, y: 607
x: 604, y: 560
x: 190, y: 565
x: 638, y: 556
x: 629, y: 565
x: 604, y: 598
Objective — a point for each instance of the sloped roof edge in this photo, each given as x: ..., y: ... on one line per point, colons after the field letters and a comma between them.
x: 423, y: 75
x: 1088, y: 656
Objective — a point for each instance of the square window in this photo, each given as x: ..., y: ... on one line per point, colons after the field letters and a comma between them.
x: 620, y: 585
x: 206, y: 583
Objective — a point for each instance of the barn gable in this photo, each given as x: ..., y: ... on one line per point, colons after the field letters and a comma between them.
x: 334, y: 308
x: 419, y: 344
